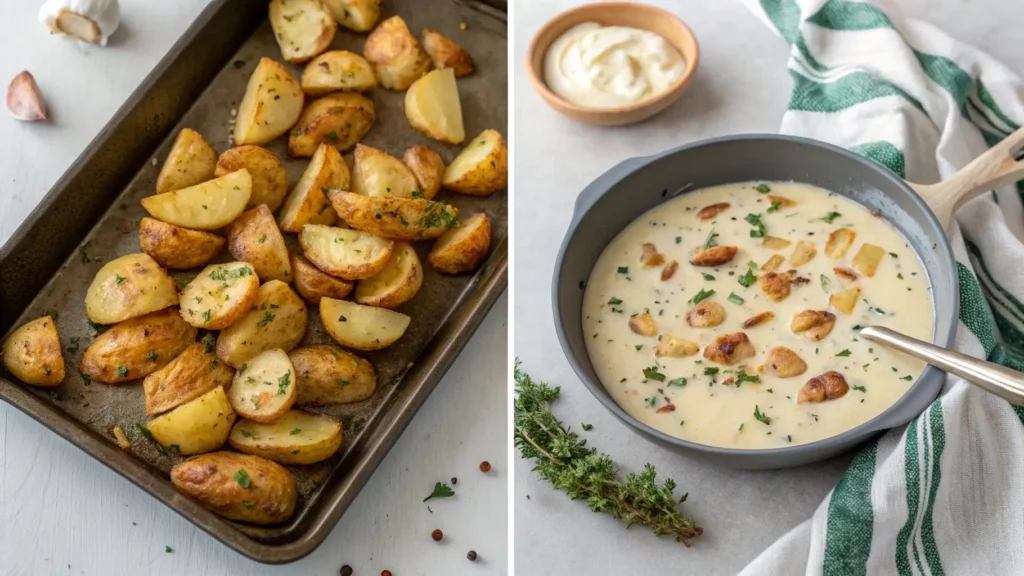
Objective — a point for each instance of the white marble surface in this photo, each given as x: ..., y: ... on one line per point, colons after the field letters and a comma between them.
x: 741, y: 86
x: 61, y: 512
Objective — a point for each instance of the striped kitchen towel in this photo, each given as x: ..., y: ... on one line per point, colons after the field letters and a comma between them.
x: 944, y: 495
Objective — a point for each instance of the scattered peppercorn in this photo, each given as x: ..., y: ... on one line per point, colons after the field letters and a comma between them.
x: 385, y: 573
x: 437, y: 535
x: 454, y: 480
x: 485, y: 466
x: 471, y: 555
x: 346, y: 570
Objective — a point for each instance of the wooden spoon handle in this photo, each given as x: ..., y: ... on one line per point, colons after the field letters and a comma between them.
x: 992, y: 169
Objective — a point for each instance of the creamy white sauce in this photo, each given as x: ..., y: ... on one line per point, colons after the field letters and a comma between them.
x: 706, y: 410
x: 610, y: 66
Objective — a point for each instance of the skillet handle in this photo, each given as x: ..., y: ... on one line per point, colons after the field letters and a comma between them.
x: 996, y: 167
x: 596, y: 189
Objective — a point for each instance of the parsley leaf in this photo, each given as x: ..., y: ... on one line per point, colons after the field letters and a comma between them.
x: 651, y: 373
x: 762, y: 417
x: 747, y: 279
x: 846, y: 352
x: 701, y: 296
x: 828, y: 218
x: 242, y: 477
x: 440, y: 491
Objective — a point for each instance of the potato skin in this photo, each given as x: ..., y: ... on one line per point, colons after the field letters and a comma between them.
x: 188, y: 376
x: 337, y: 70
x: 264, y: 327
x: 262, y: 117
x: 301, y: 34
x: 481, y: 168
x: 176, y: 247
x: 462, y: 249
x: 307, y: 204
x: 297, y: 437
x: 269, y: 178
x: 341, y: 119
x: 32, y: 353
x: 127, y: 287
x: 445, y: 53
x: 394, y: 218
x: 329, y: 375
x: 137, y: 347
x: 345, y: 253
x: 396, y: 55
x: 254, y: 238
x: 428, y: 167
x: 210, y: 478
x: 219, y: 295
x: 312, y: 284
x: 357, y: 15
x: 191, y: 161
x: 397, y: 283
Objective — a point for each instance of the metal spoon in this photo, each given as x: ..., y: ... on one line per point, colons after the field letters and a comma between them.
x: 1003, y: 382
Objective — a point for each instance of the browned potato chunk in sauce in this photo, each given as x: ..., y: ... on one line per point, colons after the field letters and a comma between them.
x: 714, y: 256
x: 674, y: 347
x: 709, y: 212
x: 815, y: 325
x: 729, y: 349
x: 759, y: 319
x: 828, y: 386
x: 706, y: 315
x: 644, y: 325
x: 650, y: 257
x: 784, y: 362
x: 839, y: 242
x: 775, y: 285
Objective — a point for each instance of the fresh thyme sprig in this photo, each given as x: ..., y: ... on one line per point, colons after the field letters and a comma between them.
x: 566, y: 461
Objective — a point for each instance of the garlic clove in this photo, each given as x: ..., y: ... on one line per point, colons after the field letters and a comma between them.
x: 87, y: 20
x: 24, y: 100
x: 78, y: 26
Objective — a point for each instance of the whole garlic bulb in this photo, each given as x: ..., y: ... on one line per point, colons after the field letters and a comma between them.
x: 88, y: 20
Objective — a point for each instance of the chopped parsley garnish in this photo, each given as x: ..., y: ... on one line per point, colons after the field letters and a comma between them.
x: 844, y: 353
x: 222, y: 274
x: 763, y: 188
x: 679, y: 239
x: 208, y: 342
x: 122, y: 370
x: 899, y: 275
x: 295, y: 431
x: 701, y: 296
x: 707, y: 276
x: 118, y: 278
x: 908, y: 378
x: 623, y: 270
x: 828, y: 218
x: 283, y: 381
x: 261, y: 239
x: 710, y: 371
x: 893, y: 254
x: 878, y: 311
x: 860, y: 389
x: 417, y: 194
x: 151, y: 355
x: 710, y: 240
x: 744, y: 377
x: 74, y: 345
x: 652, y: 401
x: 755, y: 220
x: 168, y: 549
x: 248, y: 434
x: 651, y: 373
x: 267, y: 318
x: 206, y: 316
x: 747, y: 279
x: 774, y: 207
x: 825, y: 281
x: 614, y: 301
x: 734, y: 298
x: 587, y: 427
x: 242, y: 477
x: 762, y: 417
x: 437, y: 215
x: 680, y: 382
x: 440, y: 491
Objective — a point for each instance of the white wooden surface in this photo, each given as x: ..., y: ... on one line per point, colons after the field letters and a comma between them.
x: 61, y: 512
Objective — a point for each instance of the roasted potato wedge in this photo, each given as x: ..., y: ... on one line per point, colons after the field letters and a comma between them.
x: 307, y: 203
x: 197, y: 426
x: 220, y: 295
x: 827, y: 386
x: 362, y: 327
x: 277, y: 320
x: 432, y: 106
x: 191, y: 161
x: 312, y: 284
x: 394, y: 218
x: 136, y: 348
x: 397, y: 283
x: 706, y: 315
x: 188, y: 376
x: 463, y: 248
x: 481, y: 168
x: 129, y: 286
x: 176, y: 247
x: 773, y: 263
x: 784, y: 362
x: 729, y: 349
x: 32, y: 353
x: 775, y: 243
x: 675, y: 347
x: 845, y: 300
x: 337, y: 70
x: 358, y: 15
x: 340, y: 119
x: 868, y: 258
x: 839, y: 241
x: 397, y: 57
x: 445, y: 53
x: 377, y: 173
x: 347, y: 254
x: 428, y: 167
x: 297, y: 437
x: 238, y: 486
x: 709, y: 212
x: 714, y: 256
x: 272, y: 103
x: 269, y: 178
x: 303, y: 28
x: 254, y: 238
x: 263, y: 388
x: 328, y: 375
x: 644, y: 325
x: 803, y: 253
x: 207, y: 206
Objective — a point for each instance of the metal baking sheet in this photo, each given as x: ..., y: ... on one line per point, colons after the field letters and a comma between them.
x: 92, y: 216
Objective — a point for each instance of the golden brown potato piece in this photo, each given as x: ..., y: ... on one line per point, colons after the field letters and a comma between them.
x: 428, y: 167
x: 815, y: 325
x: 481, y: 168
x: 377, y: 173
x: 706, y: 315
x: 868, y: 258
x: 394, y: 218
x: 176, y: 247
x: 773, y: 263
x: 269, y: 179
x: 271, y: 104
x: 197, y: 426
x: 136, y: 348
x: 129, y: 286
x: 432, y: 107
x: 845, y: 300
x: 191, y: 374
x: 397, y: 57
x: 340, y: 119
x: 32, y: 353
x: 447, y: 54
x: 297, y: 437
x: 207, y: 206
x: 709, y: 212
x: 828, y: 386
x: 644, y: 325
x: 845, y: 275
x: 219, y: 296
x: 397, y: 283
x: 758, y: 319
x: 263, y: 389
x: 803, y: 253
x: 782, y: 201
x: 675, y: 347
x: 649, y: 256
x: 238, y: 486
x: 729, y: 349
x: 775, y: 285
x: 277, y: 320
x: 347, y: 254
x: 714, y: 256
x: 307, y: 203
x: 312, y: 284
x: 839, y: 241
x: 785, y: 363
x: 669, y: 270
x: 357, y: 15
x: 191, y: 161
x: 254, y: 238
x: 463, y: 248
x: 362, y: 327
x: 337, y: 70
x: 775, y: 243
x: 303, y: 28
x: 329, y: 375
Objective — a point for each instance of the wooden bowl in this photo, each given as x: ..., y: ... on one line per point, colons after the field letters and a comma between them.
x: 630, y: 14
